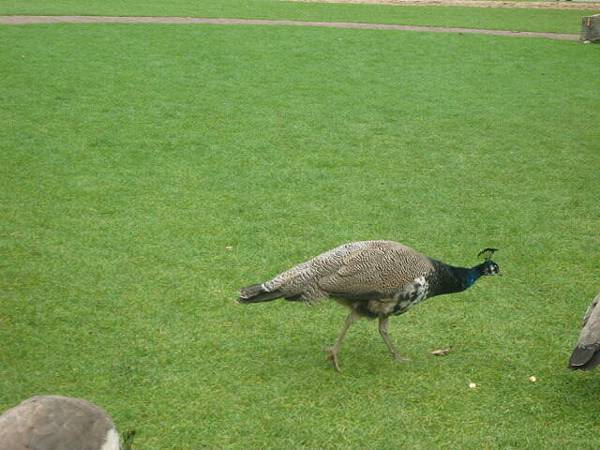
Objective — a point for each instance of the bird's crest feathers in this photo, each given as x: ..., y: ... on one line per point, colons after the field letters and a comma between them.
x: 487, y: 253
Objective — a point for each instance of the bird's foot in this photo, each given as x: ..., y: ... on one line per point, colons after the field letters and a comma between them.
x: 399, y: 358
x: 331, y: 353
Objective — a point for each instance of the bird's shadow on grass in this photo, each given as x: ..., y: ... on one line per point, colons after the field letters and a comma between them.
x: 360, y: 354
x: 584, y: 387
x: 577, y: 392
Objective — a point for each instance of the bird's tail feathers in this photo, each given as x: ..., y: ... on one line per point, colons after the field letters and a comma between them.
x: 584, y: 358
x: 257, y: 293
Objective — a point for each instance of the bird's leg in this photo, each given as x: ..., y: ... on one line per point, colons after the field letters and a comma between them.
x: 383, y: 330
x: 332, y: 352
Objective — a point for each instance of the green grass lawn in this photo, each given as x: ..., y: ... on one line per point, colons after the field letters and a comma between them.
x: 147, y: 172
x: 558, y: 21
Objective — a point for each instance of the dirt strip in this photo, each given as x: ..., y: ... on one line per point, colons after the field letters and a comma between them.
x: 587, y: 5
x: 27, y: 20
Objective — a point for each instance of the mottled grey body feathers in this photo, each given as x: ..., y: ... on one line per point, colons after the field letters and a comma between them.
x: 57, y: 423
x: 376, y: 278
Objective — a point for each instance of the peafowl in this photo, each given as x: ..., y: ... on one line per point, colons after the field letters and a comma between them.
x: 586, y: 354
x: 53, y: 422
x: 374, y: 279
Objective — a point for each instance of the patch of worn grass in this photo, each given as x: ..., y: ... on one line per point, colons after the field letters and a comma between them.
x: 557, y: 21
x: 147, y: 172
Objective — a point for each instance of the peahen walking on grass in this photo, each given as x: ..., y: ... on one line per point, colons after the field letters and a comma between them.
x: 586, y: 354
x: 374, y: 279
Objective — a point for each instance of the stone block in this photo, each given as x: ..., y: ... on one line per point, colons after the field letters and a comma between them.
x: 590, y: 28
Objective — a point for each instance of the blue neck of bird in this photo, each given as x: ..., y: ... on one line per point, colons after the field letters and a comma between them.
x: 471, y: 276
x: 449, y: 279
x: 455, y: 279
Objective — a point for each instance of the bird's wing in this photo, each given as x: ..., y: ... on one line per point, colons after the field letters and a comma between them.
x: 589, y: 310
x: 590, y: 333
x: 373, y: 272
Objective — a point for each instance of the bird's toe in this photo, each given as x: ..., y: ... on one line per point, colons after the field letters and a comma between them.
x: 332, y: 356
x: 399, y: 358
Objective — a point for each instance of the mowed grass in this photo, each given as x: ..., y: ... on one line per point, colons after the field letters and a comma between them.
x: 542, y: 20
x: 147, y: 172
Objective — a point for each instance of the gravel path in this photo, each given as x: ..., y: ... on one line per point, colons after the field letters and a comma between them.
x: 593, y: 5
x: 25, y: 20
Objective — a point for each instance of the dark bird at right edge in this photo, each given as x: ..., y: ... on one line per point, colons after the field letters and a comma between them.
x: 586, y: 355
x: 374, y: 279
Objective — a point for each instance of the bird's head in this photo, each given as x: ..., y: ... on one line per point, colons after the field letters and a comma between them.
x: 488, y: 267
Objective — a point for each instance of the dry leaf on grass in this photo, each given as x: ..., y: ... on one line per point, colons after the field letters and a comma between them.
x: 441, y: 352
